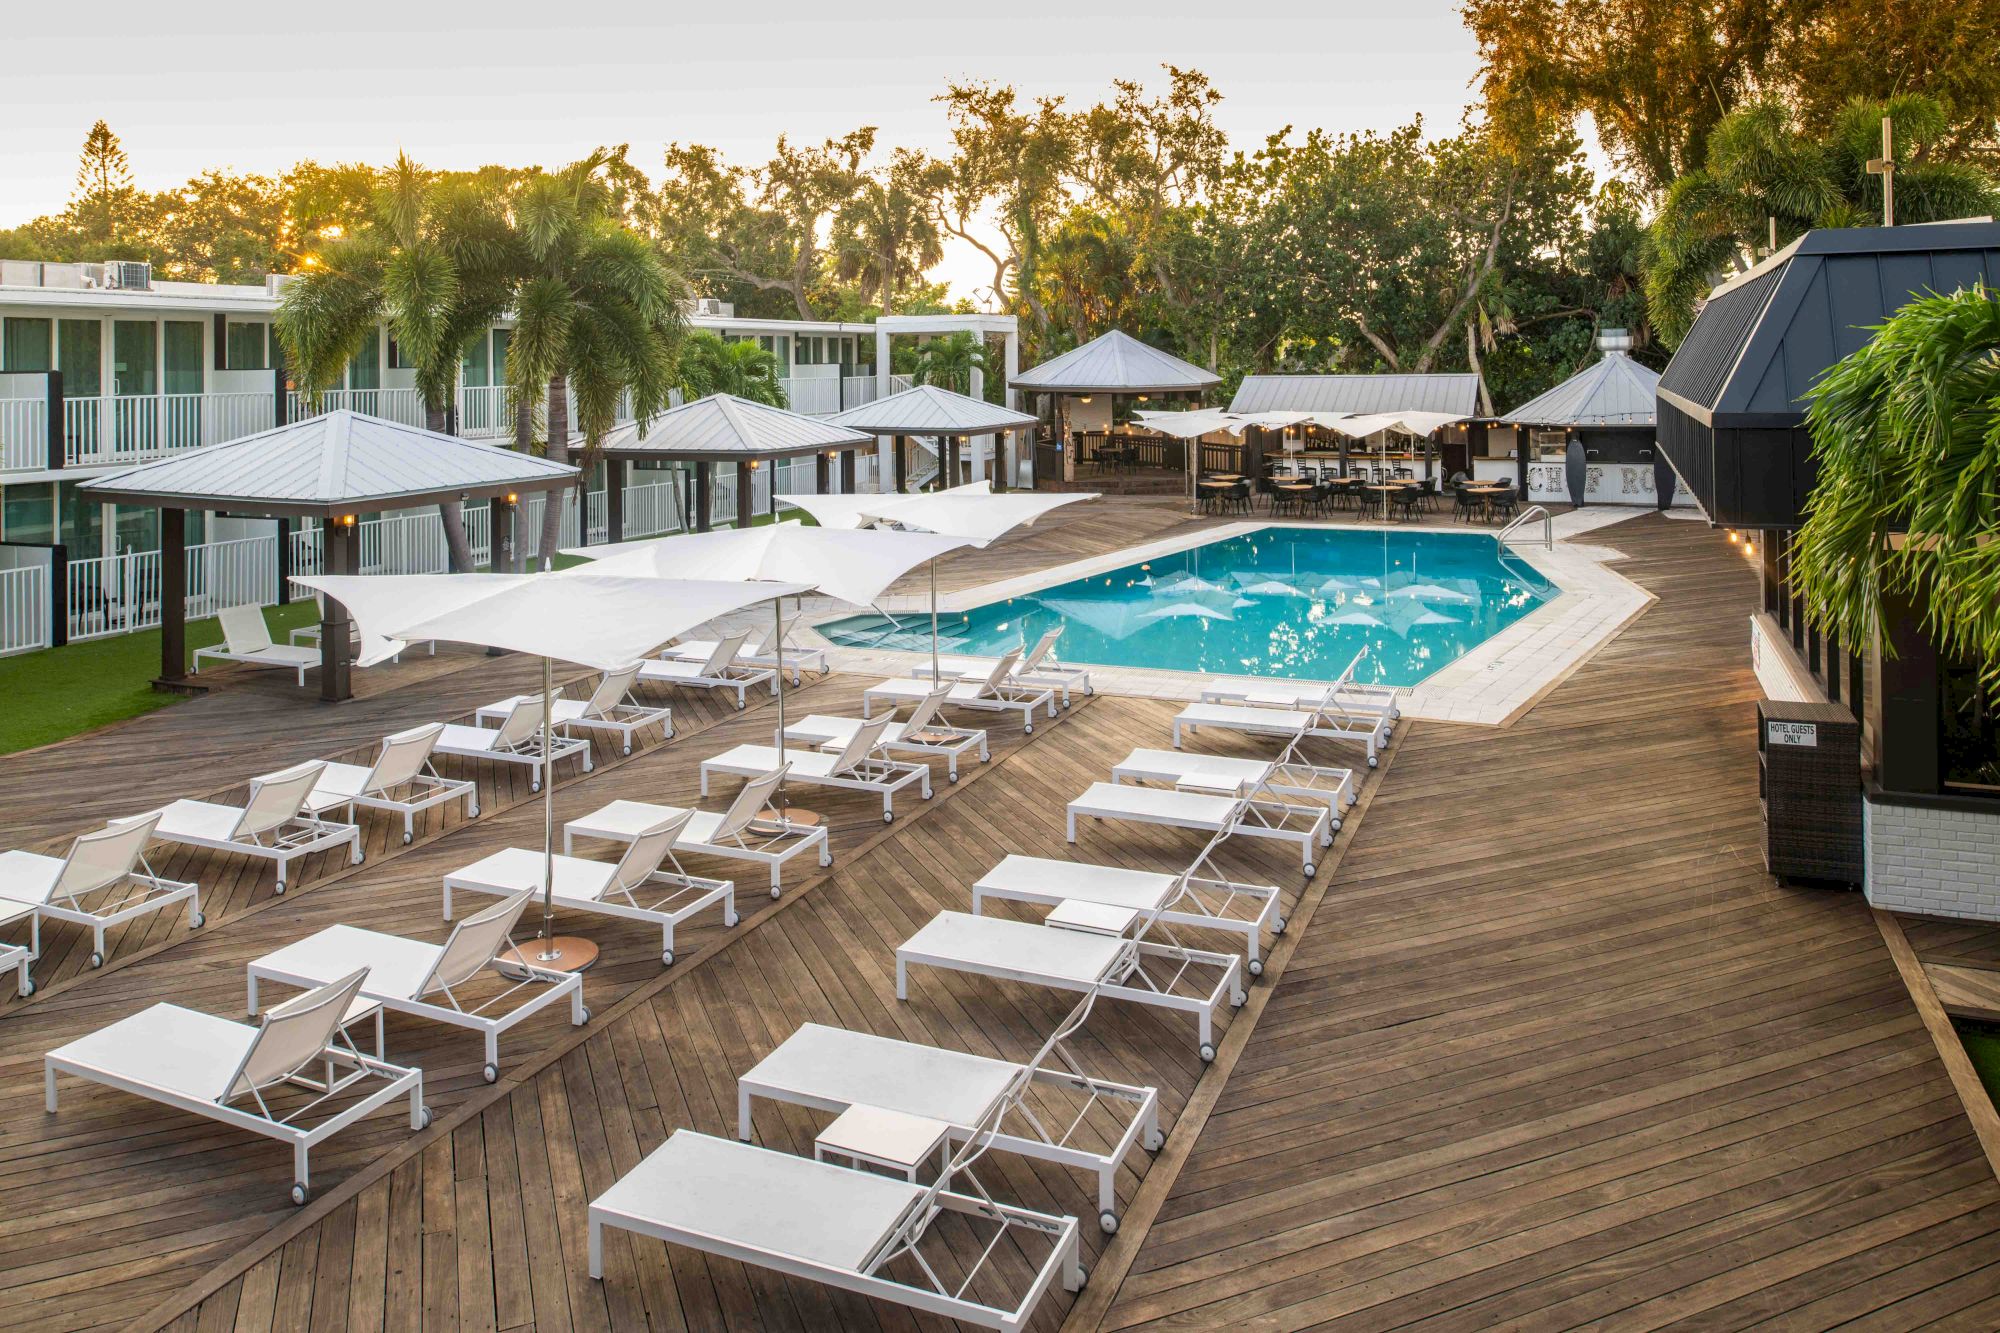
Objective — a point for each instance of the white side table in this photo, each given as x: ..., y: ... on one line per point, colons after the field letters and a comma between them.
x: 888, y: 1139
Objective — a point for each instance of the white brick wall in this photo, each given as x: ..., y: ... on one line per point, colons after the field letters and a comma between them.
x: 1934, y: 862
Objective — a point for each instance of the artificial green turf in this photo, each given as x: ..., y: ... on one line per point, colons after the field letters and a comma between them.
x: 60, y: 692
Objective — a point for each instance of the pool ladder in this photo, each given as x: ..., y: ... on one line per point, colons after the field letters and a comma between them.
x: 1525, y: 517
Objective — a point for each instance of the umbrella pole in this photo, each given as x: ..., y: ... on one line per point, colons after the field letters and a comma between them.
x: 778, y: 647
x: 934, y: 632
x: 549, y: 951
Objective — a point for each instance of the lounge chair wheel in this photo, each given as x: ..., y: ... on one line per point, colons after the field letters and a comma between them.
x: 27, y: 989
x: 424, y: 1117
x: 197, y: 921
x: 741, y: 704
x: 491, y: 1073
x: 1256, y: 967
x: 534, y: 785
x: 1108, y: 1223
x: 300, y: 1194
x: 774, y: 892
x: 1155, y: 1141
x: 888, y: 816
x: 1208, y: 1053
x: 1310, y: 868
x: 280, y: 889
x: 666, y: 958
x: 1278, y: 926
x: 407, y: 839
x: 97, y: 960
x: 586, y: 1017
x: 1373, y: 762
x: 952, y: 777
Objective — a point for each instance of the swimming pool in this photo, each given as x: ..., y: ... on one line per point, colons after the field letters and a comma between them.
x: 1292, y: 602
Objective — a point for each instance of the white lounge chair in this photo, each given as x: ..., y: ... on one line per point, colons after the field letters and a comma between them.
x: 841, y: 1227
x: 862, y: 764
x: 1096, y: 956
x: 1037, y: 666
x: 609, y: 708
x: 1286, y: 776
x: 921, y: 733
x: 761, y: 651
x: 247, y: 639
x: 723, y: 669
x: 423, y: 980
x: 1268, y: 692
x: 749, y: 830
x: 229, y: 1071
x: 272, y: 823
x: 619, y: 890
x: 401, y: 779
x: 517, y: 740
x: 311, y: 634
x: 1186, y: 899
x: 996, y: 692
x: 17, y: 957
x: 1196, y: 804
x: 81, y: 887
x: 831, y: 1069
x: 1325, y: 717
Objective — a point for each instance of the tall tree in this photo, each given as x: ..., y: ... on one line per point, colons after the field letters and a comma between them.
x: 949, y: 360
x: 598, y: 315
x: 104, y: 198
x: 884, y: 237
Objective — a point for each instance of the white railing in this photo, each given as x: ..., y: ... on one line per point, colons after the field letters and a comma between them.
x: 818, y: 396
x: 24, y: 608
x: 231, y: 573
x: 483, y: 413
x: 24, y: 434
x: 113, y: 594
x: 857, y: 389
x: 400, y: 405
x: 898, y: 383
x: 653, y: 509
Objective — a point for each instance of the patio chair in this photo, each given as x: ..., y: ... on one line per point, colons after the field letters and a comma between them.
x: 1037, y: 666
x: 430, y: 980
x: 1328, y: 717
x: 1503, y: 501
x: 861, y: 764
x: 722, y: 669
x: 749, y: 830
x: 1211, y: 804
x: 1239, y: 497
x: 272, y: 824
x: 996, y: 692
x: 1467, y: 506
x: 517, y: 740
x: 310, y: 634
x: 1272, y: 692
x: 603, y: 889
x: 247, y: 639
x: 761, y: 651
x: 921, y: 733
x: 231, y: 1072
x: 82, y: 887
x: 1285, y: 776
x: 1408, y: 501
x: 830, y: 1069
x: 401, y: 779
x: 609, y: 708
x: 17, y: 958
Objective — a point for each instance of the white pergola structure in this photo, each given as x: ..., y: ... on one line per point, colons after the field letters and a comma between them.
x: 984, y: 327
x: 952, y: 419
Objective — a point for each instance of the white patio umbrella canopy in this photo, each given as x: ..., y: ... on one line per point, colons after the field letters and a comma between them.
x: 594, y: 620
x: 858, y: 511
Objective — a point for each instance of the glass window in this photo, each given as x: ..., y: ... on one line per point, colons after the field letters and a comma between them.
x: 395, y: 354
x: 138, y: 528
x: 27, y: 512
x: 82, y: 524
x: 478, y: 362
x: 183, y: 356
x: 244, y: 347
x: 784, y: 350
x: 1969, y: 731
x: 501, y: 339
x: 134, y: 357
x: 79, y: 355
x: 25, y: 346
x: 365, y: 371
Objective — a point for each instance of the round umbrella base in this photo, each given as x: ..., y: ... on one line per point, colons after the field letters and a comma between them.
x: 572, y: 954
x: 802, y: 818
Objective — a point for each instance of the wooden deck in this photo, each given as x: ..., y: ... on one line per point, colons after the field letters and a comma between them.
x: 1545, y: 1047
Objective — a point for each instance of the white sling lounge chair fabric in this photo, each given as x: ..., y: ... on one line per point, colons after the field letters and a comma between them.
x: 610, y: 707
x: 625, y: 889
x: 1324, y: 717
x: 1115, y: 966
x: 761, y: 651
x: 996, y: 692
x: 517, y: 740
x: 1267, y: 692
x: 17, y: 958
x: 272, y: 824
x: 401, y: 779
x: 1195, y: 805
x: 723, y: 669
x: 920, y: 733
x: 1038, y: 666
x: 1286, y: 776
x: 424, y: 980
x: 83, y: 887
x: 223, y: 1070
x: 749, y: 830
x: 831, y: 1069
x: 246, y: 638
x: 1186, y: 899
x: 862, y: 764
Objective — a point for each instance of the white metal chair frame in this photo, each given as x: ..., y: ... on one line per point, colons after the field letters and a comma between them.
x: 609, y: 708
x: 323, y: 1013
x: 17, y: 957
x: 861, y: 764
x: 921, y: 734
x: 996, y: 692
x: 1360, y: 698
x: 1259, y: 813
x: 518, y: 740
x: 1325, y: 718
x: 247, y: 639
x: 723, y: 669
x: 66, y: 900
x: 280, y: 840
x: 419, y: 783
x: 751, y: 829
x: 763, y: 653
x: 1037, y: 666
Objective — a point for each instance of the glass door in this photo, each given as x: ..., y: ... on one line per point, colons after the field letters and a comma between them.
x: 134, y: 377
x: 181, y: 347
x: 80, y: 358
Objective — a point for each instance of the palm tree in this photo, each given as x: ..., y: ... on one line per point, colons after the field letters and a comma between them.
x: 437, y: 267
x: 1762, y: 172
x: 884, y: 238
x: 1906, y: 433
x: 948, y: 362
x: 597, y: 315
x: 746, y: 368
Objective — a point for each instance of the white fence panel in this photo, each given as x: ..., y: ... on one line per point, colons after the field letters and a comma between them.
x: 114, y: 594
x: 232, y: 573
x: 24, y: 434
x: 24, y: 608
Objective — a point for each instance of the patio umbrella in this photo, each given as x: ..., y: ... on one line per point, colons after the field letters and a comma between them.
x: 594, y: 620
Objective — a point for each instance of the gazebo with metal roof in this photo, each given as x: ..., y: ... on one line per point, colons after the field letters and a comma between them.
x: 1113, y: 365
x: 723, y: 428
x: 334, y: 467
x: 950, y: 418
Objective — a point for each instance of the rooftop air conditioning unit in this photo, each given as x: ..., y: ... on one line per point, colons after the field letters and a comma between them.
x: 709, y: 306
x: 126, y: 275
x: 275, y: 283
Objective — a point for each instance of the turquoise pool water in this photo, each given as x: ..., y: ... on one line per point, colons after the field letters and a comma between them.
x: 1293, y: 602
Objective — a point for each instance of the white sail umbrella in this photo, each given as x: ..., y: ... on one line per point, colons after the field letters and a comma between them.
x: 594, y: 620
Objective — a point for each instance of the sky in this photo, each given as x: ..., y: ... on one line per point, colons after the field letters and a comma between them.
x: 259, y: 86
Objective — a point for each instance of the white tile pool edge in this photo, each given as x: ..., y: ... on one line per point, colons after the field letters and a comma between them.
x: 1491, y: 685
